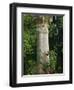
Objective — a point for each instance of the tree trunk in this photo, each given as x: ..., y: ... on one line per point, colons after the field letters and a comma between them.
x: 42, y: 45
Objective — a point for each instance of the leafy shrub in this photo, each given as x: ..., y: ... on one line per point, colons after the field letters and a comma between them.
x: 53, y: 61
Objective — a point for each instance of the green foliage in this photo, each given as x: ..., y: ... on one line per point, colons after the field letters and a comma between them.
x: 56, y: 40
x: 29, y: 45
x: 53, y: 60
x: 29, y: 22
x: 30, y: 67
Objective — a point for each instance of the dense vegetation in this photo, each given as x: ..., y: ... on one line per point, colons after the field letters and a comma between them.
x: 30, y: 44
